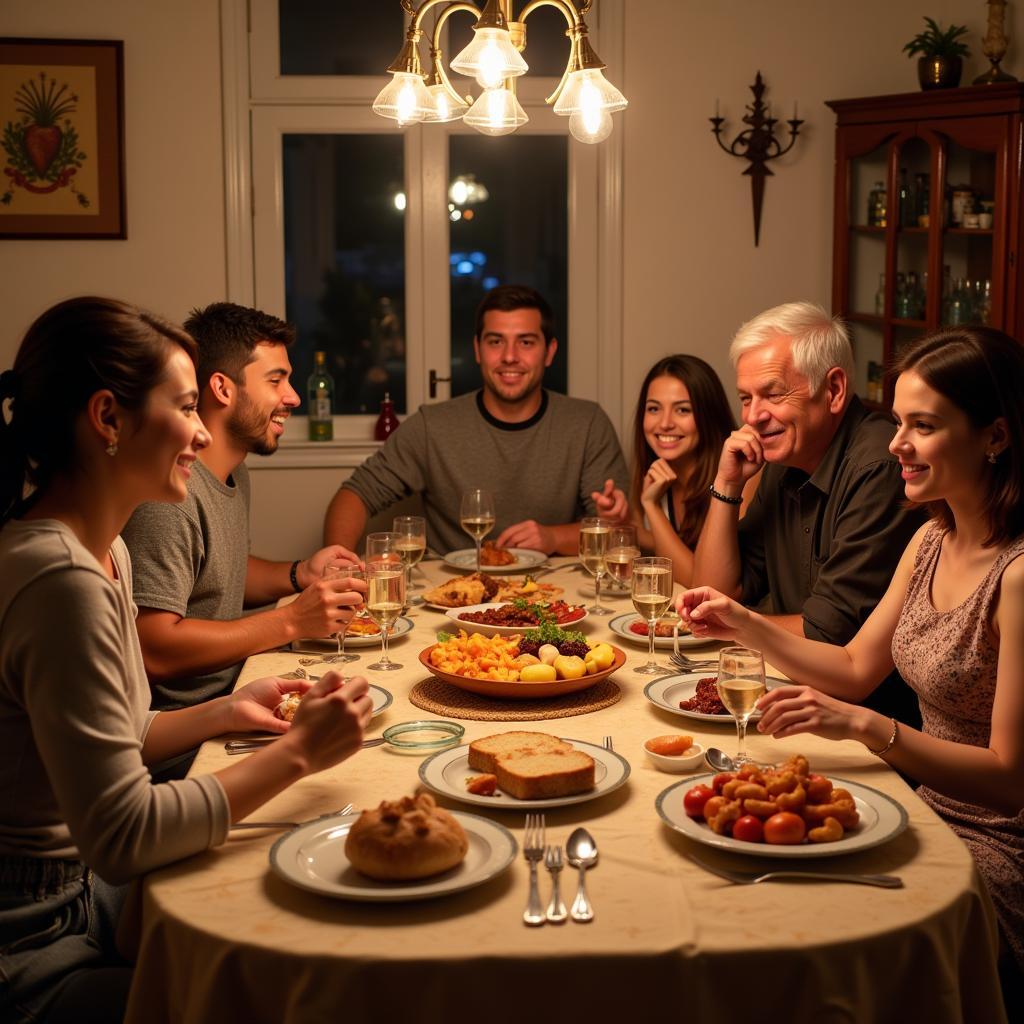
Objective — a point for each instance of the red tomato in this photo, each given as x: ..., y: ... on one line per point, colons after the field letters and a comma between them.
x: 749, y: 829
x: 784, y: 829
x: 721, y: 779
x: 695, y: 800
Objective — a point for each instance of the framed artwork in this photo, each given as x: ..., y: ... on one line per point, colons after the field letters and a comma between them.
x: 62, y: 143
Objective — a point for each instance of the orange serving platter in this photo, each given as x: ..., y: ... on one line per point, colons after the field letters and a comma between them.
x: 519, y: 690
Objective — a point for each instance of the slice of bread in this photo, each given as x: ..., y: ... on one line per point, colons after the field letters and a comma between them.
x: 484, y: 753
x: 538, y: 776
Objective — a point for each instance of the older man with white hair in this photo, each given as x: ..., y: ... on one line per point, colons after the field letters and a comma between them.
x: 828, y: 522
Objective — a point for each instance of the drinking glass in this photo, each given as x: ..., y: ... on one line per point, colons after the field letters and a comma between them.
x: 332, y: 572
x: 622, y: 549
x: 385, y: 599
x: 740, y: 687
x: 411, y: 544
x: 652, y: 594
x: 382, y: 547
x: 594, y: 535
x: 476, y: 515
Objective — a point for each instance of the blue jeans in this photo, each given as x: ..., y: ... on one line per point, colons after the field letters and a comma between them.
x: 57, y: 957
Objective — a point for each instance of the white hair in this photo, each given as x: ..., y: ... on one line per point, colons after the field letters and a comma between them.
x: 819, y: 341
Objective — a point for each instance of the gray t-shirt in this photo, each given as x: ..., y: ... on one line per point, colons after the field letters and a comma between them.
x: 74, y: 712
x: 191, y: 559
x: 544, y: 468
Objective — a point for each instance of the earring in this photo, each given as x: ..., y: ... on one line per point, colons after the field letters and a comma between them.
x: 111, y: 449
x: 991, y: 456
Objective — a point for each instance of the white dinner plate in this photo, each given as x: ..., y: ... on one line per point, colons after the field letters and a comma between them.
x: 881, y: 819
x: 666, y: 692
x: 446, y: 773
x: 328, y: 645
x: 621, y: 623
x: 312, y: 857
x: 381, y: 699
x: 526, y: 559
x: 479, y: 627
x: 613, y: 592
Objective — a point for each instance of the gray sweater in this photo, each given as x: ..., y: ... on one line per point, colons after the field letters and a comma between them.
x: 544, y: 468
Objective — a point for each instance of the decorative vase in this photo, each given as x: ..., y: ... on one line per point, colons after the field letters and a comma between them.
x: 939, y: 72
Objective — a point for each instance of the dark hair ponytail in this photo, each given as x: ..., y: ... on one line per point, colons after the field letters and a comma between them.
x: 73, y: 350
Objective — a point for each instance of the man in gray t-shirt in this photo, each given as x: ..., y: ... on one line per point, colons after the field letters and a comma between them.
x: 193, y: 573
x: 547, y: 459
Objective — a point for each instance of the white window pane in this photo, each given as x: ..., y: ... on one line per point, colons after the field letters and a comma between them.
x: 339, y: 37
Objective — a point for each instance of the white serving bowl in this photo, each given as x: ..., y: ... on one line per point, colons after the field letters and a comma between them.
x: 693, y: 758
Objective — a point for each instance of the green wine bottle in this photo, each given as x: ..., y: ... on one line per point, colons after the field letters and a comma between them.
x: 319, y: 399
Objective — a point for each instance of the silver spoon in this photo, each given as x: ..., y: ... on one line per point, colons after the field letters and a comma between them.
x: 719, y: 761
x: 581, y: 852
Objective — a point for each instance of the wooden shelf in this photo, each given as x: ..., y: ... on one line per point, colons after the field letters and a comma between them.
x: 867, y: 229
x: 985, y: 232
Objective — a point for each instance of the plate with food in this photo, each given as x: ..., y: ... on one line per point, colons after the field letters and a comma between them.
x: 781, y: 812
x: 516, y: 616
x: 501, y: 559
x: 519, y: 770
x: 360, y: 633
x: 479, y: 588
x: 632, y: 627
x: 379, y: 698
x: 545, y: 662
x: 695, y: 695
x: 369, y: 856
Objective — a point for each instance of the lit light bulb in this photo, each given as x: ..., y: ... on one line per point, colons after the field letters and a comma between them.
x: 406, y: 105
x: 496, y: 112
x: 404, y: 99
x: 590, y: 126
x: 491, y: 71
x: 400, y: 201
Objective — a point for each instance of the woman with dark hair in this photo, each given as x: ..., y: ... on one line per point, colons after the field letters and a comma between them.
x: 682, y: 419
x: 99, y: 415
x: 952, y: 620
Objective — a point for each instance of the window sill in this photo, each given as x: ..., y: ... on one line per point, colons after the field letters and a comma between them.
x: 296, y: 451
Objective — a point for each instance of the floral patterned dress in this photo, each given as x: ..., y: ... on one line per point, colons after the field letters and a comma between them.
x: 950, y: 661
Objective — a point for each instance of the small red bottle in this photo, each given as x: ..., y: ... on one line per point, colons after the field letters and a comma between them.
x: 387, y: 421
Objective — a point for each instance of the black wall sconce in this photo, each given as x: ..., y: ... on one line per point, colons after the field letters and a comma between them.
x: 757, y: 144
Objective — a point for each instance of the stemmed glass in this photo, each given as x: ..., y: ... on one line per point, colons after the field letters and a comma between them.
x: 385, y: 599
x: 594, y: 536
x: 652, y: 594
x: 333, y: 572
x: 411, y: 544
x: 476, y: 515
x: 740, y: 687
x: 622, y: 549
x: 382, y: 547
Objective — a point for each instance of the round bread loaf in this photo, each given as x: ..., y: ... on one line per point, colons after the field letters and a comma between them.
x: 405, y: 839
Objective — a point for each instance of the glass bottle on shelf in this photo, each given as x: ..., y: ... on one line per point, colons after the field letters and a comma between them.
x: 880, y: 296
x: 922, y: 198
x: 877, y: 206
x: 899, y: 299
x: 985, y: 301
x: 922, y: 297
x: 387, y: 421
x: 907, y: 217
x: 319, y: 398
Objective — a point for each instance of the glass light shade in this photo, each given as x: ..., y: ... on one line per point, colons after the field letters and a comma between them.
x: 590, y: 126
x: 589, y: 90
x: 443, y: 105
x: 490, y: 58
x: 404, y: 99
x: 496, y: 112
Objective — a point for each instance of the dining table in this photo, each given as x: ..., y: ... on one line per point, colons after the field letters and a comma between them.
x: 222, y: 936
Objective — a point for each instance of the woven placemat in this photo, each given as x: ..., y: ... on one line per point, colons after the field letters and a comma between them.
x: 442, y: 698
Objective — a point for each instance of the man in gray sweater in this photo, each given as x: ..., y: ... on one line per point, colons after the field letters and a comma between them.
x: 547, y: 459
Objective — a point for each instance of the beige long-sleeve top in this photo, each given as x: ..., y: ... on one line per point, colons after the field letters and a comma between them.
x: 74, y: 712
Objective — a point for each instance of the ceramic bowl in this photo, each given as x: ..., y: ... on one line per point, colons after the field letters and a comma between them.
x: 693, y: 758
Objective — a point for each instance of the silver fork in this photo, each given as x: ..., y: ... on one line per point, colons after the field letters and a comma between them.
x: 690, y: 664
x: 347, y: 809
x: 608, y: 745
x: 556, y: 912
x: 748, y: 878
x: 533, y: 851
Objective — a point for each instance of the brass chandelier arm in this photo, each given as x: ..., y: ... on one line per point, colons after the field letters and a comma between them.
x: 435, y: 45
x: 573, y: 17
x: 419, y: 12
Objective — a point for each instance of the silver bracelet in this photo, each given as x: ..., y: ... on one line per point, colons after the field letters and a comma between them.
x: 892, y: 740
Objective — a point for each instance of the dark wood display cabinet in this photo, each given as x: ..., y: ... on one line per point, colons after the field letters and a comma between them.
x: 927, y: 218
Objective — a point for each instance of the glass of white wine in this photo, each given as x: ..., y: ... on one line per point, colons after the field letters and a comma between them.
x: 342, y: 572
x: 652, y: 594
x: 740, y: 687
x: 622, y: 549
x: 476, y: 516
x: 385, y: 599
x: 382, y: 546
x: 594, y: 535
x: 411, y: 544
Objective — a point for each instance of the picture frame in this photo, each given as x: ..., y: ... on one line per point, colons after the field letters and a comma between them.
x: 62, y: 138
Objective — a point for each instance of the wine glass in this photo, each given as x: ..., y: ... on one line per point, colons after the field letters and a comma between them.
x: 476, y: 515
x: 740, y: 687
x: 385, y: 599
x: 333, y: 572
x: 652, y: 594
x: 382, y: 547
x: 411, y: 544
x: 594, y: 535
x: 622, y: 549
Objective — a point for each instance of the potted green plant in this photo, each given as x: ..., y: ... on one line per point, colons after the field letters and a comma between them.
x: 941, y: 62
